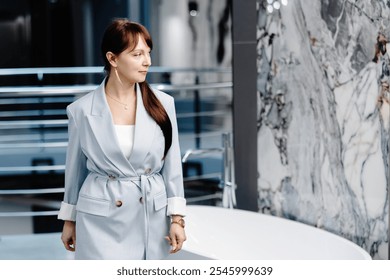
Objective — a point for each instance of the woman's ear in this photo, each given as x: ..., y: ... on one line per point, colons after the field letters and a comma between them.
x: 111, y: 58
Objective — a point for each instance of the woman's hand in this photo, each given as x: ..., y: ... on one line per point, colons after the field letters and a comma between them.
x: 176, y: 237
x: 68, y: 236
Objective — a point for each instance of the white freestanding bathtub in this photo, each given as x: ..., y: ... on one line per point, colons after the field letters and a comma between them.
x: 226, y: 234
x: 217, y: 233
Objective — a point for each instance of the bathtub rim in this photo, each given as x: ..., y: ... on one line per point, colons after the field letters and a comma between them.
x: 363, y: 253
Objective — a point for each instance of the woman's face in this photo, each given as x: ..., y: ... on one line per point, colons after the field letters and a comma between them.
x: 133, y: 65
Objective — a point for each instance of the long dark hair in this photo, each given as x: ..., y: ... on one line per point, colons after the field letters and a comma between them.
x: 120, y: 35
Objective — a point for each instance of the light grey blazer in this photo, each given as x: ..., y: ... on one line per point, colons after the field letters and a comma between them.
x: 121, y: 206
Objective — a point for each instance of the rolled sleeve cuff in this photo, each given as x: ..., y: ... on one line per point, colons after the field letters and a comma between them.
x: 67, y: 212
x: 176, y: 206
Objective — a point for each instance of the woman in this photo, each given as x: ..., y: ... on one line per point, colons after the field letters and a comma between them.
x: 123, y: 174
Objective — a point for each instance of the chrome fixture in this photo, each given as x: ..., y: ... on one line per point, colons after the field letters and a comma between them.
x: 228, y: 183
x: 199, y: 153
x: 193, y: 8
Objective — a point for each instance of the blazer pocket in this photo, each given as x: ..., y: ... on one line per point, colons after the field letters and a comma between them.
x: 93, y: 206
x: 160, y: 201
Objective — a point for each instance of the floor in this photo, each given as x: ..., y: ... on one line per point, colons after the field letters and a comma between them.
x: 43, y: 246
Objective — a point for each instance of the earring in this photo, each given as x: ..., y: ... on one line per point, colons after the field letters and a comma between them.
x: 117, y: 76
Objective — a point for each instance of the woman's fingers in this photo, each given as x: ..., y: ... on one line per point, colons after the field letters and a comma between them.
x: 70, y: 244
x: 173, y: 249
x: 174, y: 244
x: 176, y: 239
x: 68, y: 236
x: 180, y: 241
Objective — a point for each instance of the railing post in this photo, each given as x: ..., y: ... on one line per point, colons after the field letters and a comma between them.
x: 245, y: 102
x: 197, y: 119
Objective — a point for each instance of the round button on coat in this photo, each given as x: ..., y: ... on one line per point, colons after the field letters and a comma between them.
x: 118, y: 203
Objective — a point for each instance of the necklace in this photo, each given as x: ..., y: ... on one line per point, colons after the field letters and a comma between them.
x: 124, y: 104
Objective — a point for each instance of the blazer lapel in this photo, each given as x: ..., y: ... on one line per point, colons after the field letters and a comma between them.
x: 102, y: 126
x: 145, y: 129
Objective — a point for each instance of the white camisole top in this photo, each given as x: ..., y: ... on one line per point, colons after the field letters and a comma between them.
x: 125, y: 135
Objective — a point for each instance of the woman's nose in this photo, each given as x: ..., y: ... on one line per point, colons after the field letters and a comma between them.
x: 147, y: 60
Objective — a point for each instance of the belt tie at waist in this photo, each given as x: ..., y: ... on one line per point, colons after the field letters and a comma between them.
x: 141, y: 181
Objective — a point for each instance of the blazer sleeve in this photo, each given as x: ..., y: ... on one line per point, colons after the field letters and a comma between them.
x: 172, y: 169
x: 75, y: 171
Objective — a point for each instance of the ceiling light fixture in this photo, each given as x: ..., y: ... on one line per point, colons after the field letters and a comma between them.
x: 272, y: 5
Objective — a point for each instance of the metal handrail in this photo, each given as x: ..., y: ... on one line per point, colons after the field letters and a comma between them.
x: 202, y: 177
x: 12, y: 124
x: 35, y: 137
x: 64, y: 144
x: 217, y: 195
x: 168, y: 87
x: 34, y: 145
x: 202, y: 114
x: 204, y: 134
x: 45, y: 90
x: 33, y: 191
x: 100, y: 70
x: 72, y: 90
x: 32, y: 168
x: 64, y: 122
x: 79, y: 89
x: 29, y: 213
x: 51, y: 70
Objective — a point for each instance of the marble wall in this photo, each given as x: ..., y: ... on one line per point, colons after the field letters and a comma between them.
x: 323, y: 119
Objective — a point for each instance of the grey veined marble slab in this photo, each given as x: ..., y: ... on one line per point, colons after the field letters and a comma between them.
x: 323, y: 120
